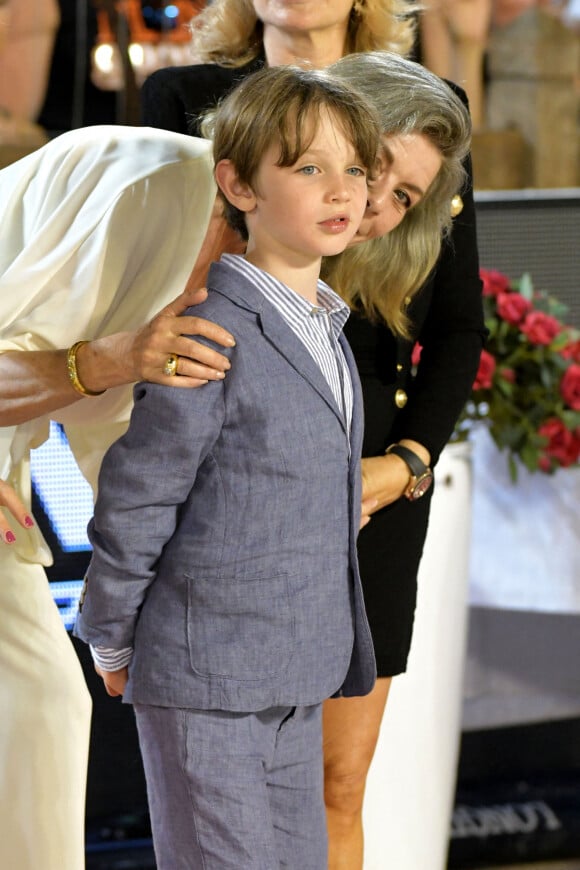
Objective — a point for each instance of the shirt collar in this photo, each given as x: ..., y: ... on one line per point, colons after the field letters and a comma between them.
x: 328, y: 301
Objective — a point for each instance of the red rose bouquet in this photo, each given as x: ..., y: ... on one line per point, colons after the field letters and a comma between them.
x: 527, y: 389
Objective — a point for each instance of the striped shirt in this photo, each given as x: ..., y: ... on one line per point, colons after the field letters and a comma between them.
x: 318, y: 327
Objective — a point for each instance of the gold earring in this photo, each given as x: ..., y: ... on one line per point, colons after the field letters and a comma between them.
x: 456, y: 206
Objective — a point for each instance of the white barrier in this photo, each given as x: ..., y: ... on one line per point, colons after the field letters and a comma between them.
x: 411, y: 784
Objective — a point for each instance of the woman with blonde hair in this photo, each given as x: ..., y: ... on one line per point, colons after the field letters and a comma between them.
x: 402, y: 288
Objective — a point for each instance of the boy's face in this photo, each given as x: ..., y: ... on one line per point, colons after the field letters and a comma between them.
x: 313, y: 208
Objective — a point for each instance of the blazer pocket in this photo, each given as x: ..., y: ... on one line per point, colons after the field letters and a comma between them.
x: 238, y: 628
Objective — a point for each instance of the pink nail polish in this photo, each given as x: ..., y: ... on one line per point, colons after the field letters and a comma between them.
x: 9, y: 537
x: 28, y: 521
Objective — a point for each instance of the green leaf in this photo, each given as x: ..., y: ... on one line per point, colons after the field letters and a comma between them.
x: 526, y: 287
x: 505, y: 387
x: 558, y: 309
x: 529, y: 456
x: 571, y: 419
x: 547, y: 377
x: 491, y: 324
x: 564, y: 338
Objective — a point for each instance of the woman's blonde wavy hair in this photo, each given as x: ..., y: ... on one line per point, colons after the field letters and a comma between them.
x: 229, y: 33
x: 408, y: 99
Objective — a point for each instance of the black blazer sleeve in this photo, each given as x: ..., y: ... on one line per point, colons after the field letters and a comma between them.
x: 174, y: 98
x: 162, y: 103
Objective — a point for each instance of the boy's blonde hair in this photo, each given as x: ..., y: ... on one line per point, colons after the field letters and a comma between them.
x: 229, y: 33
x: 278, y: 106
x: 380, y: 277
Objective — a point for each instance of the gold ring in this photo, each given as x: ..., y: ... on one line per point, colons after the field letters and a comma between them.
x: 170, y: 367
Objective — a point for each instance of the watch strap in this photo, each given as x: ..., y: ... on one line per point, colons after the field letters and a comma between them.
x: 416, y: 465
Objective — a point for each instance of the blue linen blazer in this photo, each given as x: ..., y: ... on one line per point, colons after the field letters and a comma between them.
x: 224, y: 534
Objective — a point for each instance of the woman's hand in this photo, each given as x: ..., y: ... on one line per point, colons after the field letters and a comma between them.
x: 126, y: 357
x: 385, y: 478
x: 368, y: 507
x: 10, y: 500
x: 33, y: 383
x: 166, y: 334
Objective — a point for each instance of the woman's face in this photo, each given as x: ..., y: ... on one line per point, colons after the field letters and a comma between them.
x: 304, y: 15
x: 408, y: 165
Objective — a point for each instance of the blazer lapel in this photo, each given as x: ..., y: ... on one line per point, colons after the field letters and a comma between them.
x: 240, y: 290
x: 296, y: 354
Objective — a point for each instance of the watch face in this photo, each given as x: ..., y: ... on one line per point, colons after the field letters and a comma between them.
x: 421, y: 486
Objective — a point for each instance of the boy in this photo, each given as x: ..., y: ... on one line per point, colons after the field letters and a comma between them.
x: 224, y: 565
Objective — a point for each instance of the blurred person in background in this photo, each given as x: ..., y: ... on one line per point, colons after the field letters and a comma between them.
x: 27, y: 32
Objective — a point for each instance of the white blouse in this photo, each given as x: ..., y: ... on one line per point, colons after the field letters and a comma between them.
x: 99, y: 229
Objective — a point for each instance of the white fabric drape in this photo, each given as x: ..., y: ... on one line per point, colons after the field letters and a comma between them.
x: 99, y: 230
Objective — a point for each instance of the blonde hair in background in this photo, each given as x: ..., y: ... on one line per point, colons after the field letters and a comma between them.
x: 380, y: 277
x: 280, y: 106
x: 228, y: 32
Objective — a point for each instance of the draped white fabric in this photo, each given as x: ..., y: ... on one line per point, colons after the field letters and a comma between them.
x: 100, y: 229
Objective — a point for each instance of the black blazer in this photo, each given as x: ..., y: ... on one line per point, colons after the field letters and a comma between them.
x: 447, y: 312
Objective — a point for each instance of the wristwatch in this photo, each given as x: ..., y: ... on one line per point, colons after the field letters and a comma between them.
x: 421, y: 474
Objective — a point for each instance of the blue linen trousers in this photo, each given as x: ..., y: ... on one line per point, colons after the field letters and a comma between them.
x: 235, y: 791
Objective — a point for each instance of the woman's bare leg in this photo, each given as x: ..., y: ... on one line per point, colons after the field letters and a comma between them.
x: 350, y: 733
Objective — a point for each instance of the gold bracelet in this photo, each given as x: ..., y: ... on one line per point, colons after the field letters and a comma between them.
x: 71, y: 367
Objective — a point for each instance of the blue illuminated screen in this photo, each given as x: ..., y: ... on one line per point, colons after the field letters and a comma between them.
x: 62, y: 504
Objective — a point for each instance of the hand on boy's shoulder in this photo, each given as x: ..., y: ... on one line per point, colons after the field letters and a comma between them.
x: 168, y: 335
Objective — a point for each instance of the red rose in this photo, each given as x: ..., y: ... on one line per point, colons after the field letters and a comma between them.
x: 572, y: 351
x: 512, y: 307
x: 570, y: 387
x: 540, y: 328
x: 484, y: 376
x: 494, y: 282
x: 563, y: 445
x: 508, y: 375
